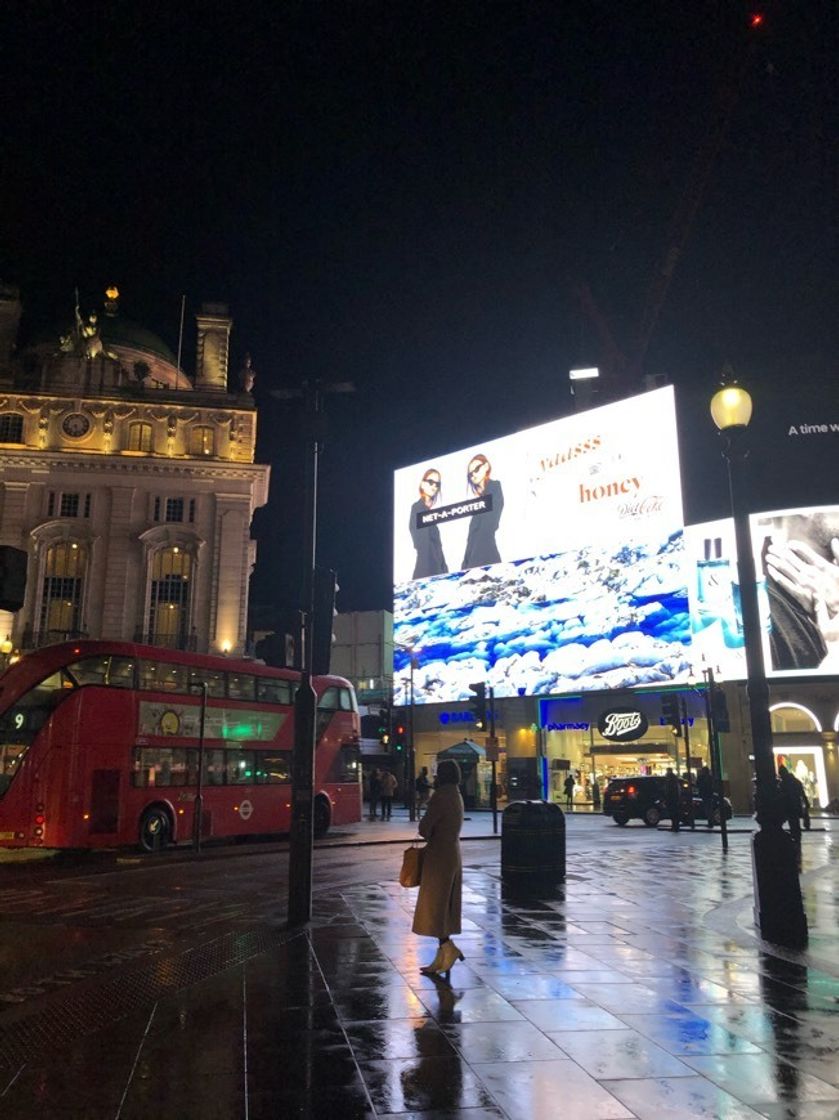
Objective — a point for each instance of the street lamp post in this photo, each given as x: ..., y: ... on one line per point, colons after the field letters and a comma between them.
x: 779, y: 908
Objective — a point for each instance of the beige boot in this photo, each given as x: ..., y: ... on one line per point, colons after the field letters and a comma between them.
x: 449, y: 955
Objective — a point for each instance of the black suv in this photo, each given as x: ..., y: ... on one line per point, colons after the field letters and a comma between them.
x: 643, y: 798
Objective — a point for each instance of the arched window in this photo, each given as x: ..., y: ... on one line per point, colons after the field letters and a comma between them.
x: 11, y: 427
x: 202, y: 441
x: 171, y: 573
x: 139, y: 437
x: 62, y: 593
x: 789, y: 716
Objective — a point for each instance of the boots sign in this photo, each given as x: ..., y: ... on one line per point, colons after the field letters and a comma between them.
x: 621, y: 725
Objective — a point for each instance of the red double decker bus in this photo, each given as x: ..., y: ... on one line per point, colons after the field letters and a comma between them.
x: 99, y: 747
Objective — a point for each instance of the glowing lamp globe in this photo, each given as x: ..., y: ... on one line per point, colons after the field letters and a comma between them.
x: 731, y: 407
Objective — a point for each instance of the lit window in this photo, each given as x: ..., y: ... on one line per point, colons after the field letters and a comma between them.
x: 139, y: 437
x: 171, y: 569
x: 62, y: 589
x: 202, y: 441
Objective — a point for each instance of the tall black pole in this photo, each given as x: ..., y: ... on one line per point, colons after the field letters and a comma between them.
x: 412, y: 758
x: 493, y: 796
x: 688, y: 774
x: 779, y: 908
x: 301, y: 842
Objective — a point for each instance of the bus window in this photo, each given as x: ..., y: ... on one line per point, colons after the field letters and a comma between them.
x: 273, y: 769
x: 11, y: 756
x: 271, y: 690
x: 214, y: 767
x: 330, y: 701
x: 241, y: 686
x: 121, y: 673
x: 20, y: 723
x: 213, y: 677
x: 164, y: 766
x: 240, y: 768
x: 92, y: 670
x: 114, y: 672
x: 347, y: 700
x: 345, y: 766
x: 161, y: 676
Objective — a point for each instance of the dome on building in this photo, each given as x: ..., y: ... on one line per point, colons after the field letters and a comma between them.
x: 119, y: 332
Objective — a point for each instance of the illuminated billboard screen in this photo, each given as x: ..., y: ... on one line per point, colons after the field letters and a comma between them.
x: 717, y: 640
x: 547, y: 561
x: 797, y: 562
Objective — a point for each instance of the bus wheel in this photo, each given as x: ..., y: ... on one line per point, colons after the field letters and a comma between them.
x: 155, y: 829
x: 323, y: 816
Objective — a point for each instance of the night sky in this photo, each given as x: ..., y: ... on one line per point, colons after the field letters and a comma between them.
x: 409, y: 196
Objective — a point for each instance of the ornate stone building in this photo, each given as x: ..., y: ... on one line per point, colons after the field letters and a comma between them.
x: 131, y: 487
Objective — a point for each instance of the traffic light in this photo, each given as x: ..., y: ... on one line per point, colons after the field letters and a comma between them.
x: 324, y: 592
x: 478, y: 706
x: 384, y: 726
x: 399, y: 734
x: 670, y: 714
x: 719, y: 709
x: 12, y: 578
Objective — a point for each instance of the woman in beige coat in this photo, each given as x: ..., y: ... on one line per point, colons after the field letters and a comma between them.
x: 438, y: 905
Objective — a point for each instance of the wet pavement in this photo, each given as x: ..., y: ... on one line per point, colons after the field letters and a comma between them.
x: 636, y: 989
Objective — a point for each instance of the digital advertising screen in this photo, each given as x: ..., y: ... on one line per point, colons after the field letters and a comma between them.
x: 547, y: 561
x: 797, y: 564
x: 716, y: 621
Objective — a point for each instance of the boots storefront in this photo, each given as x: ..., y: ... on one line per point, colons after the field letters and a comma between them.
x: 600, y: 736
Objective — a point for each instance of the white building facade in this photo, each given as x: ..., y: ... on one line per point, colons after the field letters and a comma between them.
x: 130, y: 486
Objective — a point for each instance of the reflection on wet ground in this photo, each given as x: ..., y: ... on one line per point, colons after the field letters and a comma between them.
x: 613, y: 997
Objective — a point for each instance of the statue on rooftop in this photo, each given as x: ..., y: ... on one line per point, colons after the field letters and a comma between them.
x: 247, y: 375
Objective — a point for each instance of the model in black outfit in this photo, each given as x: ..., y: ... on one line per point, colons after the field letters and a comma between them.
x: 481, y: 548
x: 426, y: 538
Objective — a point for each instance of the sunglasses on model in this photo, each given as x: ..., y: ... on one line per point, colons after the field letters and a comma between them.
x: 432, y: 481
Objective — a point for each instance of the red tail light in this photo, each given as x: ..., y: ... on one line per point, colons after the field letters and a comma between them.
x: 631, y: 791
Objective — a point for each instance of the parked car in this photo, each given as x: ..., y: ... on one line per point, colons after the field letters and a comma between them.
x: 642, y: 798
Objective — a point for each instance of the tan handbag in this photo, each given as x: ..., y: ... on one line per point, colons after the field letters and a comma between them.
x: 411, y: 871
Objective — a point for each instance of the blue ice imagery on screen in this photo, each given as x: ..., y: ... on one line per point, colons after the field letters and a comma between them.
x: 588, y: 618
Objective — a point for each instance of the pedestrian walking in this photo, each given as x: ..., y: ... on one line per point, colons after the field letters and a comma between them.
x: 595, y: 795
x: 792, y: 795
x: 388, y: 787
x: 422, y: 787
x: 568, y: 786
x: 672, y: 798
x: 375, y: 788
x: 705, y: 789
x: 437, y: 912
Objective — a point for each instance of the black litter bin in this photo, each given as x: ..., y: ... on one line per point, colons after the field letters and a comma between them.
x: 533, y: 842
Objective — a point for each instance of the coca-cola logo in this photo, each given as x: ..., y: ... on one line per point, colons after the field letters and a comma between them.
x: 641, y: 507
x: 622, y: 724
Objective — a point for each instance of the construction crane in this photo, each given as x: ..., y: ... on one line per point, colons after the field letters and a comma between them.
x: 622, y: 369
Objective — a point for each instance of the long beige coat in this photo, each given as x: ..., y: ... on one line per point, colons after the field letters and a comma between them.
x: 438, y: 905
